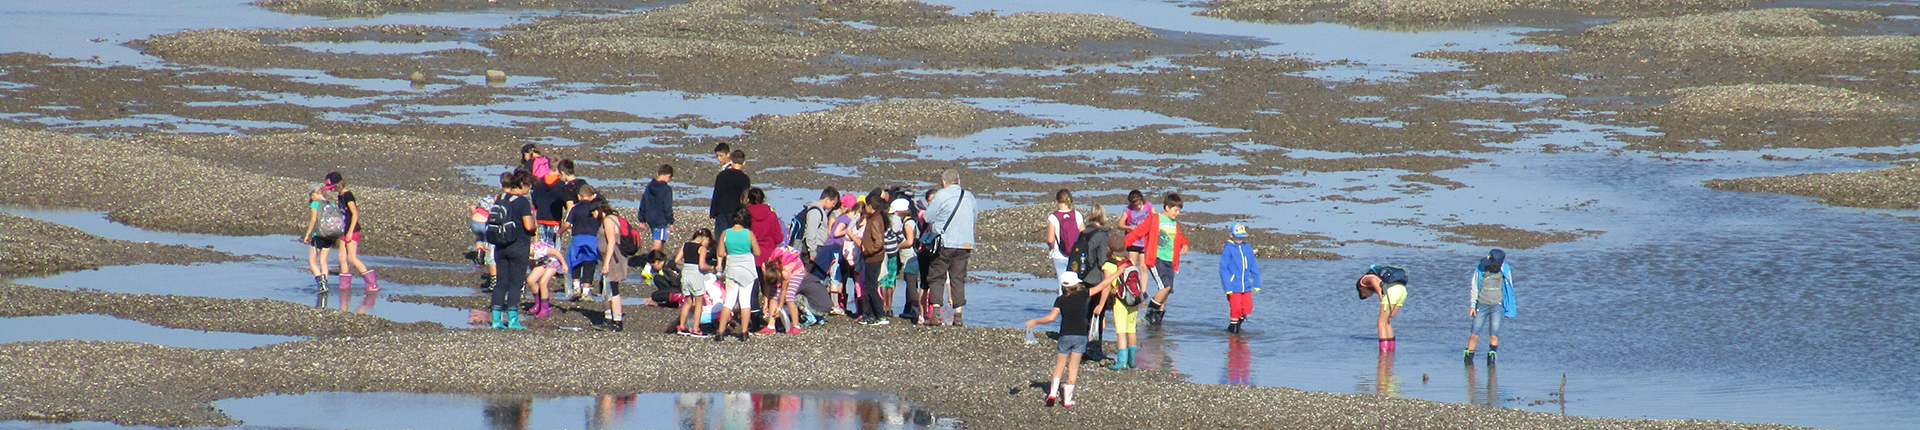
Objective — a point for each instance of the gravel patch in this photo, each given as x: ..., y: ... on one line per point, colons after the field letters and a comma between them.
x: 984, y: 377
x: 1890, y: 188
x: 30, y: 247
x: 1431, y: 11
x: 892, y: 124
x: 1779, y: 99
x: 257, y: 316
x: 361, y: 8
x: 1501, y: 236
x: 1793, y: 35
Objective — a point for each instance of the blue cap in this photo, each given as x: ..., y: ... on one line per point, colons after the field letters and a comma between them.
x: 1237, y: 230
x: 1496, y: 257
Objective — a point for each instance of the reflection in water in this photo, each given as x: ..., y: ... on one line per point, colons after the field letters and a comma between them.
x: 1384, y: 383
x: 1239, y: 362
x: 1490, y: 396
x: 508, y: 412
x: 608, y: 411
x: 1156, y: 347
x: 366, y: 301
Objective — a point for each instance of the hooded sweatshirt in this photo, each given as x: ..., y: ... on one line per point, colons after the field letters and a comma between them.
x: 1239, y: 273
x: 1150, y: 231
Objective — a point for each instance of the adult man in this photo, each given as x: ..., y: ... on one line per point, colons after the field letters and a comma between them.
x: 728, y: 187
x: 951, y: 213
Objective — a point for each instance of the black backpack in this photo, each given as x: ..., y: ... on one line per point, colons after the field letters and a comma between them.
x: 1089, y: 250
x: 1389, y: 275
x: 502, y: 229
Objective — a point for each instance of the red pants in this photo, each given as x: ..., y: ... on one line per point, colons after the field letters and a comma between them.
x: 1239, y: 305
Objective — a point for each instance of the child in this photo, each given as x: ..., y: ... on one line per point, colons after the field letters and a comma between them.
x: 547, y: 261
x: 829, y: 256
x: 613, y: 264
x: 482, y: 254
x: 513, y: 258
x: 729, y: 186
x: 781, y: 279
x: 767, y: 229
x: 696, y: 262
x: 1138, y: 211
x: 350, y: 243
x: 1239, y: 276
x: 1063, y: 226
x: 1071, y: 310
x: 873, y: 252
x: 902, y: 262
x: 1391, y: 284
x: 666, y: 285
x: 321, y: 247
x: 1164, y: 244
x: 656, y: 206
x: 1490, y: 302
x: 738, y: 249
x: 583, y: 245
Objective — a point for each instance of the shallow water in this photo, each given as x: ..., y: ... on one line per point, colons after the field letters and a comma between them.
x: 331, y: 410
x: 103, y: 327
x: 1694, y: 303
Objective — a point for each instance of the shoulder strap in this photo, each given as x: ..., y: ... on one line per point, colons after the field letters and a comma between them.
x: 956, y: 211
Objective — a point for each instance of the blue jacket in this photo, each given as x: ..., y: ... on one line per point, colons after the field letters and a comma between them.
x: 656, y: 205
x: 959, y: 234
x: 1508, y: 308
x: 1239, y: 272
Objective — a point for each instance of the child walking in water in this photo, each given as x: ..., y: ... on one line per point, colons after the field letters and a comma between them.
x: 1239, y: 276
x: 1490, y: 302
x: 1071, y: 309
x: 1390, y: 283
x: 1165, y: 243
x: 738, y: 249
x: 321, y: 246
x: 350, y: 243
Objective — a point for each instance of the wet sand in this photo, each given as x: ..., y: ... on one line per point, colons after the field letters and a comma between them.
x: 34, y: 247
x: 1889, y: 188
x: 993, y: 382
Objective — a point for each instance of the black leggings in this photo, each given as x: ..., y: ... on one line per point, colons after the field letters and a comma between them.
x: 585, y: 272
x: 511, y: 279
x: 871, y: 304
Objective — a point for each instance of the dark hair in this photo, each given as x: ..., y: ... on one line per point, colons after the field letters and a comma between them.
x: 666, y: 169
x: 703, y: 232
x: 522, y: 178
x: 743, y: 218
x: 605, y: 210
x: 879, y: 205
x: 1063, y: 196
x: 755, y: 196
x: 723, y: 148
x: 656, y: 256
x: 1172, y: 201
x: 509, y: 179
x: 564, y: 166
x: 1136, y: 196
x: 527, y: 148
x: 585, y: 190
x: 831, y: 194
x: 738, y: 156
x: 334, y: 178
x: 767, y: 278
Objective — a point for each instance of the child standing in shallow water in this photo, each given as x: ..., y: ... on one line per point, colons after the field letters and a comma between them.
x: 1390, y: 283
x: 350, y: 243
x: 1071, y: 309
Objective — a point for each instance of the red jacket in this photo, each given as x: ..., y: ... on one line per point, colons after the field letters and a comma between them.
x: 766, y: 230
x: 1150, y: 230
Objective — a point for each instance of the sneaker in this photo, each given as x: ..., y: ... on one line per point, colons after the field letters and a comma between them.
x: 1490, y: 355
x: 837, y: 311
x: 766, y: 330
x: 679, y: 331
x: 793, y: 330
x: 1051, y: 400
x: 742, y: 336
x: 1467, y: 356
x: 1154, y: 316
x: 956, y: 320
x: 881, y: 321
x: 699, y: 334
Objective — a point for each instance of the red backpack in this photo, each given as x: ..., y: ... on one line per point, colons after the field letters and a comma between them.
x: 630, y: 237
x: 1131, y: 290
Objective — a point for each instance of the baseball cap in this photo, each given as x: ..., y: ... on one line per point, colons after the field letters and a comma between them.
x: 897, y: 206
x: 1238, y: 230
x: 1068, y: 278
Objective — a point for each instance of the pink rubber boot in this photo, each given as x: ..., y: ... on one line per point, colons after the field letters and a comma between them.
x: 373, y: 280
x: 346, y: 281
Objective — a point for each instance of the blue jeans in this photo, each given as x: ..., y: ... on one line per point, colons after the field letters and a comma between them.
x: 1072, y: 344
x: 1486, y: 316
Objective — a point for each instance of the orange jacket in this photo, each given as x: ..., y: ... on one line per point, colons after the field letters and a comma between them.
x: 1150, y: 230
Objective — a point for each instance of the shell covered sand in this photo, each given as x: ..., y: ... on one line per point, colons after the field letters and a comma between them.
x: 34, y: 247
x: 258, y: 316
x: 1793, y: 35
x: 338, y: 8
x: 886, y: 120
x: 792, y: 32
x: 1419, y: 11
x: 1779, y: 99
x: 1890, y: 188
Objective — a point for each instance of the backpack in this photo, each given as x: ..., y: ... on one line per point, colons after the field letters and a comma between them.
x: 502, y: 230
x: 797, y: 228
x: 333, y: 218
x: 630, y: 237
x: 1089, y: 249
x: 1389, y: 275
x: 1131, y: 290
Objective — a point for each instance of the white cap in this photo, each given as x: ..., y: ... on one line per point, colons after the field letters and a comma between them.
x: 1068, y: 278
x: 899, y: 205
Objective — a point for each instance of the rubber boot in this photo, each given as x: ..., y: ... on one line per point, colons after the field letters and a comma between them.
x: 541, y: 309
x: 346, y: 281
x: 320, y: 284
x: 1120, y: 359
x: 486, y: 283
x: 1133, y: 357
x: 513, y: 321
x: 373, y: 280
x: 619, y: 326
x: 499, y: 319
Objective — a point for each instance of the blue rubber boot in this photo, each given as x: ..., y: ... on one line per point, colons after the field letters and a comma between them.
x: 499, y: 320
x: 1120, y: 360
x: 513, y: 321
x: 1133, y: 352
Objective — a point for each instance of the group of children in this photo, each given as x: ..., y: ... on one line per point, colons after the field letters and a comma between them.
x: 841, y: 247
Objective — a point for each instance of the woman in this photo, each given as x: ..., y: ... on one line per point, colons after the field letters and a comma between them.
x: 738, y: 250
x: 766, y: 224
x: 350, y: 243
x: 873, y: 253
x: 834, y: 252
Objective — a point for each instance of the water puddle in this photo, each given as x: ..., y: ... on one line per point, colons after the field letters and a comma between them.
x: 370, y: 47
x: 103, y: 327
x: 647, y: 410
